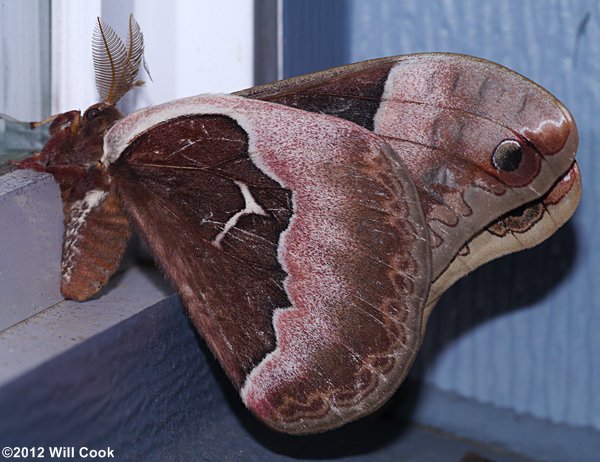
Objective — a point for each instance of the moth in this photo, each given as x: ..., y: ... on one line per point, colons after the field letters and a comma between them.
x: 310, y: 225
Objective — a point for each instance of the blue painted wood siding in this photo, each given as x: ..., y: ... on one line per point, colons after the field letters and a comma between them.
x: 523, y: 332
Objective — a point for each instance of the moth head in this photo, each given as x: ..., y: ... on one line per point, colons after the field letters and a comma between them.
x: 97, y: 119
x: 76, y: 139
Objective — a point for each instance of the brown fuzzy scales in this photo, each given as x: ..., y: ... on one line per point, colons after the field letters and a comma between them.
x: 178, y: 183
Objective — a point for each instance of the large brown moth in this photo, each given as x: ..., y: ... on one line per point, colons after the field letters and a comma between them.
x: 310, y: 225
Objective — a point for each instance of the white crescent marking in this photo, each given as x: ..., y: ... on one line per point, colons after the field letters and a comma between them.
x: 251, y: 206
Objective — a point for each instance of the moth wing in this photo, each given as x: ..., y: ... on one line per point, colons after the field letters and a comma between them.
x: 446, y: 115
x: 517, y: 230
x: 297, y: 243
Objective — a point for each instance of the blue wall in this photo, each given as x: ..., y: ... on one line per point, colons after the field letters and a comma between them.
x: 520, y: 333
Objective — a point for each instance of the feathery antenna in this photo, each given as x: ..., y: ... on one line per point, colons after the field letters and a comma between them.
x: 116, y: 65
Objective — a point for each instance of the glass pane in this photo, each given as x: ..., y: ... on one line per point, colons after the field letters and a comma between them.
x: 25, y: 75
